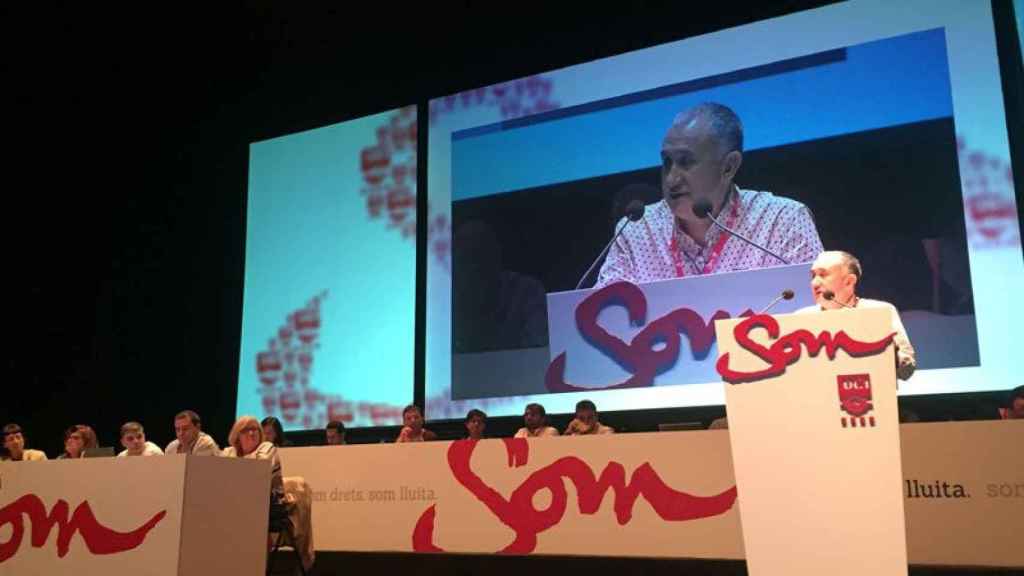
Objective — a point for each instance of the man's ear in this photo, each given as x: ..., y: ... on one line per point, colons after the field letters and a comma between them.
x: 731, y: 164
x: 851, y: 281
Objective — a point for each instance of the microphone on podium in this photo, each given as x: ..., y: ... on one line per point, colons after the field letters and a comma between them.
x: 831, y: 297
x: 634, y: 212
x: 702, y: 209
x: 787, y: 294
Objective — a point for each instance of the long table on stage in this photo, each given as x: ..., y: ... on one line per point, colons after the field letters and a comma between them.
x: 653, y: 495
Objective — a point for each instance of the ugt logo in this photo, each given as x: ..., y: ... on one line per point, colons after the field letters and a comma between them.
x: 855, y: 399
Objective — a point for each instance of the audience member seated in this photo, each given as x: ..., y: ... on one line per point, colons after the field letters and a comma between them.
x: 77, y: 440
x: 536, y: 420
x: 273, y: 432
x: 133, y: 438
x: 412, y: 429
x: 14, y: 446
x: 1014, y: 409
x: 476, y: 424
x: 335, y: 433
x: 586, y: 421
x: 246, y: 441
x: 190, y: 437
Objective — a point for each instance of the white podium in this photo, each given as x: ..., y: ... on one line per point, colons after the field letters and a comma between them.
x: 814, y: 431
x: 157, y: 515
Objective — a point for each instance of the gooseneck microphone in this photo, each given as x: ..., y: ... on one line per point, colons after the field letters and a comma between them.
x: 702, y: 209
x: 831, y: 297
x: 787, y: 294
x: 634, y: 212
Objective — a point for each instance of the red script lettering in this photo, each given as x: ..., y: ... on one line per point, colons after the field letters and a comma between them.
x: 639, y: 356
x: 787, y: 349
x: 519, y: 513
x: 98, y: 538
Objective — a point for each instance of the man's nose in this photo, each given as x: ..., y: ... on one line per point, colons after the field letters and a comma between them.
x: 674, y: 175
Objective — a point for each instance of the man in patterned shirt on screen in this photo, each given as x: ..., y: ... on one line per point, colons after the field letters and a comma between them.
x: 700, y: 156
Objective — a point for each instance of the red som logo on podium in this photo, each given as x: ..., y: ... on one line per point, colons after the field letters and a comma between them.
x: 855, y: 399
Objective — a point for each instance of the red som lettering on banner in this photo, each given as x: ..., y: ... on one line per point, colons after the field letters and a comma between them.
x: 519, y: 513
x: 787, y: 349
x: 639, y: 356
x: 98, y: 538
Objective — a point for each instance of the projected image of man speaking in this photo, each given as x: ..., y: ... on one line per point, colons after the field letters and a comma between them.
x: 701, y: 154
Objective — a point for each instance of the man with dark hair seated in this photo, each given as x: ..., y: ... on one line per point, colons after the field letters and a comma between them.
x: 586, y: 421
x: 335, y: 433
x: 133, y: 438
x: 190, y: 438
x: 476, y: 423
x: 413, y: 430
x: 536, y: 420
x: 14, y: 446
x: 1014, y: 409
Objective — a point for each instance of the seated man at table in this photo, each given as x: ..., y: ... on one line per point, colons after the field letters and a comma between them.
x: 476, y: 424
x: 133, y: 438
x: 14, y: 446
x: 586, y: 421
x: 1014, y: 409
x: 335, y: 433
x: 190, y: 439
x: 536, y: 420
x: 412, y: 429
x: 701, y: 154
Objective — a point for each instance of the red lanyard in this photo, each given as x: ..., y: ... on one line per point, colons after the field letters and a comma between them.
x: 723, y: 237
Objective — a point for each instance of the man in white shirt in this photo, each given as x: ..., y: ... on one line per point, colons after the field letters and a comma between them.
x: 133, y: 438
x: 536, y: 419
x: 190, y: 438
x: 834, y: 277
x: 700, y: 156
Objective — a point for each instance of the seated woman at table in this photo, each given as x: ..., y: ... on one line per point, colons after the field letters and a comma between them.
x: 77, y: 439
x: 14, y: 446
x: 273, y: 432
x: 412, y: 429
x: 246, y: 441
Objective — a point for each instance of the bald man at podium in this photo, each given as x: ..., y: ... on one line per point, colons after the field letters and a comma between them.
x: 834, y: 276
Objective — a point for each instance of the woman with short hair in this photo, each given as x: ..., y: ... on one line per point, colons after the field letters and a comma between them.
x: 246, y: 441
